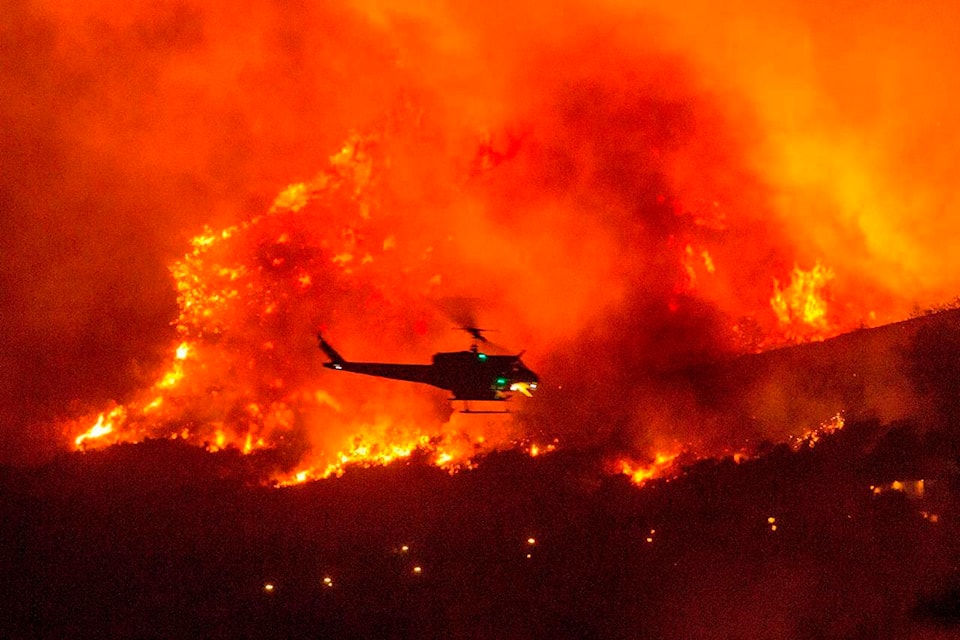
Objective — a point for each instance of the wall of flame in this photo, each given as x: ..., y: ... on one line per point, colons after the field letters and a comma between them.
x: 624, y: 188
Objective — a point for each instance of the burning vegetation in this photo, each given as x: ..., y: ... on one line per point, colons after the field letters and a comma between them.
x: 239, y: 374
x: 705, y: 229
x: 607, y: 184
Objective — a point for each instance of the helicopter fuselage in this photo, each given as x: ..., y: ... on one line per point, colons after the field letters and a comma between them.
x: 468, y: 375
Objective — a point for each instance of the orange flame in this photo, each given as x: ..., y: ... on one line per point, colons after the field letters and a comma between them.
x: 811, y: 437
x: 641, y: 473
x: 801, y: 306
x: 103, y: 427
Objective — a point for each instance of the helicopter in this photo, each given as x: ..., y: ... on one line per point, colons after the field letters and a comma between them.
x: 469, y: 375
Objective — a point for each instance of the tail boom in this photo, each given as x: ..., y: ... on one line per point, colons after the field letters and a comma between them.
x: 335, y: 358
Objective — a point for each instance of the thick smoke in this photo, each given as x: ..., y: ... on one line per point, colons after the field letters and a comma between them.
x: 619, y: 184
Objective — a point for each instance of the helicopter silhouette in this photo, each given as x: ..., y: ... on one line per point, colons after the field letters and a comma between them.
x: 468, y: 375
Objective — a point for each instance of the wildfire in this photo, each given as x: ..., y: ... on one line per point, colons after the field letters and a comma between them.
x: 811, y: 437
x: 361, y: 454
x: 801, y: 306
x: 533, y: 449
x: 641, y: 473
x: 233, y: 379
x: 103, y: 427
x: 450, y: 454
x: 239, y: 376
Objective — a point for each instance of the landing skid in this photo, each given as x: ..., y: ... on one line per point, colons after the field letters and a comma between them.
x: 467, y: 409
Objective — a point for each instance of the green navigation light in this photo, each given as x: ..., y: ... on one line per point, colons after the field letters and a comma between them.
x: 482, y: 357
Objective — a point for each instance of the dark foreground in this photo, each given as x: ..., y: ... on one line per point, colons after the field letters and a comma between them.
x: 161, y: 540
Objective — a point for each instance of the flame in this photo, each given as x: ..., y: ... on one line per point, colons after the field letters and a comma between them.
x: 239, y: 383
x: 230, y: 377
x: 236, y: 379
x: 801, y: 306
x: 103, y: 427
x: 366, y: 453
x: 534, y: 449
x: 811, y: 437
x: 491, y: 149
x: 641, y: 473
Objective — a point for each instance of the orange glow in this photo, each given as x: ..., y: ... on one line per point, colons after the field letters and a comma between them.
x: 912, y: 488
x: 640, y: 473
x: 533, y: 449
x: 811, y: 437
x: 104, y: 426
x: 566, y: 172
x: 224, y: 300
x: 801, y: 306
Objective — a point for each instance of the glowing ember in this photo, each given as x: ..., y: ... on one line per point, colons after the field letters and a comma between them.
x: 811, y: 437
x: 912, y: 488
x: 241, y: 374
x: 533, y: 449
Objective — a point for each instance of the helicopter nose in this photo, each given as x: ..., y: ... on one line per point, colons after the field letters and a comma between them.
x: 525, y: 380
x: 532, y: 378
